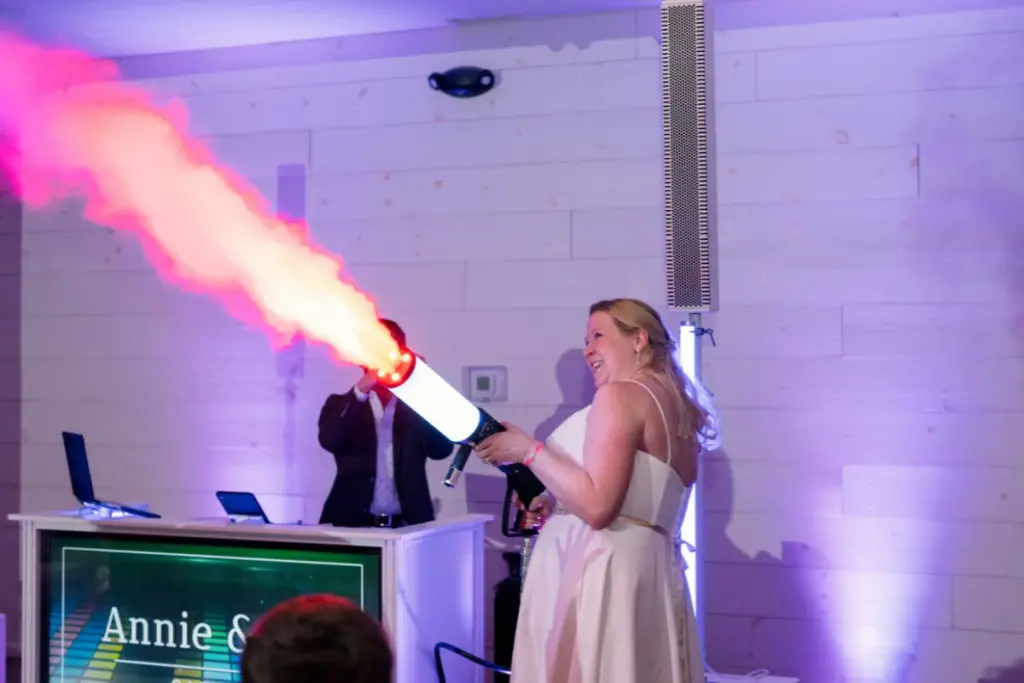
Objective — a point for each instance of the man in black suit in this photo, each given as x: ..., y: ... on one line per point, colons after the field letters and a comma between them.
x: 380, y: 446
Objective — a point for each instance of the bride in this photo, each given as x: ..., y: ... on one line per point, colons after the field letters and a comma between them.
x: 605, y: 599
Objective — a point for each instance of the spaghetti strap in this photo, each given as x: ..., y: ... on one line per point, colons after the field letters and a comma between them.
x: 664, y: 420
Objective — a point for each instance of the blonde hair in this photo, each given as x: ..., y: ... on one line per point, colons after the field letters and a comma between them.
x: 630, y: 316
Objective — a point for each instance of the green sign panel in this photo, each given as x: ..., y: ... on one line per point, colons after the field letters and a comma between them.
x: 157, y: 610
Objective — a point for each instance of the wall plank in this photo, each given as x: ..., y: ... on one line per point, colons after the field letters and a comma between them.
x: 498, y: 189
x: 934, y: 493
x: 959, y: 280
x: 907, y: 232
x: 971, y: 61
x: 447, y: 239
x: 982, y: 384
x: 988, y: 604
x: 622, y: 233
x: 762, y: 332
x: 115, y: 467
x: 948, y: 331
x: 867, y: 173
x: 764, y: 486
x: 983, y: 172
x: 80, y: 337
x: 408, y: 239
x: 890, y: 120
x: 870, y: 436
x: 543, y: 284
x: 576, y: 136
x: 409, y: 286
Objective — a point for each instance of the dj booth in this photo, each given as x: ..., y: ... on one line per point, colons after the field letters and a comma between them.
x: 164, y: 601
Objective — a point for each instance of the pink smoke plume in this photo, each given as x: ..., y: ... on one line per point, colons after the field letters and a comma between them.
x: 74, y: 129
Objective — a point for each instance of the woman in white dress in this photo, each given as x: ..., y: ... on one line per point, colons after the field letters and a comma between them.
x: 605, y: 599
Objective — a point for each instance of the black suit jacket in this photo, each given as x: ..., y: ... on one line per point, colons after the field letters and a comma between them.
x: 348, y: 431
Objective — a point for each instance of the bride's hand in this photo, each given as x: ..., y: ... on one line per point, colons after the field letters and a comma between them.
x: 509, y: 446
x: 538, y: 512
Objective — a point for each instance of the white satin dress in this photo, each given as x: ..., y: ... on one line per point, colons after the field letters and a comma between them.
x: 611, y: 606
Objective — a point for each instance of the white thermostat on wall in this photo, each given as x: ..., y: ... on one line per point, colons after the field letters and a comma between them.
x: 486, y: 384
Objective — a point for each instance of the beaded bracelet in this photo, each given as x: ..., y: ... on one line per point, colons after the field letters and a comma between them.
x: 533, y: 453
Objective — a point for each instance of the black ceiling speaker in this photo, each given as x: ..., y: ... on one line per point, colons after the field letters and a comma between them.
x: 463, y: 81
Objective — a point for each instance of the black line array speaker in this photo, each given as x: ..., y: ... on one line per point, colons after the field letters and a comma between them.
x: 687, y: 87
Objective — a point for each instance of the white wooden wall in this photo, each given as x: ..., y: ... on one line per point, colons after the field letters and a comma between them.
x: 869, y: 506
x: 868, y: 363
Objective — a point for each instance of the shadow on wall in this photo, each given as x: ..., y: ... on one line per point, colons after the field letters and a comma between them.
x: 746, y: 596
x: 577, y: 386
x: 1010, y: 674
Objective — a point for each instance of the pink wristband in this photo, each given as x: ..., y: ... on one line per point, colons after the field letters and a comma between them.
x: 533, y: 453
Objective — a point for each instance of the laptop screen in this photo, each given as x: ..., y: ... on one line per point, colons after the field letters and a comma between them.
x: 78, y: 467
x: 241, y: 503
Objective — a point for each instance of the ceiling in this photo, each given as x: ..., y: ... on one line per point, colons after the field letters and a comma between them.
x: 146, y: 27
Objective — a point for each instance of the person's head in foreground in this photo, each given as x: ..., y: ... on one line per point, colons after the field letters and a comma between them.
x: 625, y: 338
x: 317, y: 639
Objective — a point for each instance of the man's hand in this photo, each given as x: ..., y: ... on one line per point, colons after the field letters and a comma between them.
x: 367, y: 382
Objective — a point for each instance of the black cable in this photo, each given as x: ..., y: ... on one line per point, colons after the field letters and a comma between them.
x: 465, y: 655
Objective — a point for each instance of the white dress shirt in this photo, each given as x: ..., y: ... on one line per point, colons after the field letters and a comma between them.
x: 385, y: 495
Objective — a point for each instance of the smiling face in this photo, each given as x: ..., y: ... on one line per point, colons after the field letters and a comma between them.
x: 611, y: 353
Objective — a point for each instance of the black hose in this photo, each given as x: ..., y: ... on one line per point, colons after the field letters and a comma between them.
x: 465, y: 655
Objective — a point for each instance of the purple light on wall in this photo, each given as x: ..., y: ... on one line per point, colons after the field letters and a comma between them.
x: 879, y: 614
